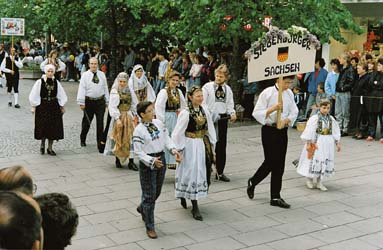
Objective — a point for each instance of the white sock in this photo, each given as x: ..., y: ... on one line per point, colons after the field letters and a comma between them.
x: 16, y: 98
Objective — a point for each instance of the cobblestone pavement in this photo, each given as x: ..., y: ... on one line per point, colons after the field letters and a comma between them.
x: 348, y: 216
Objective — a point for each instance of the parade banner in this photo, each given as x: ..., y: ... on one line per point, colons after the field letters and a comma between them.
x: 281, y: 53
x: 12, y: 26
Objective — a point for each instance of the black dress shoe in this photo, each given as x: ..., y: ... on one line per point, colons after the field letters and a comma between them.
x: 17, y: 106
x: 51, y: 152
x: 250, y: 189
x: 183, y: 203
x: 42, y: 150
x: 222, y: 177
x: 9, y: 104
x: 132, y: 166
x: 196, y: 215
x: 139, y: 210
x: 118, y: 163
x: 83, y: 144
x: 279, y: 203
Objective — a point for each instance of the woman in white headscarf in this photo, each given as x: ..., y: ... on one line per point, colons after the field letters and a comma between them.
x: 139, y: 84
x: 122, y: 106
x: 47, y: 99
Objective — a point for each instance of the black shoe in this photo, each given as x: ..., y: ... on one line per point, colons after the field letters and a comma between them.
x: 279, y: 203
x: 139, y: 210
x: 83, y: 144
x: 344, y: 134
x: 132, y: 166
x: 118, y: 163
x: 17, y: 106
x: 42, y: 150
x: 222, y: 177
x: 10, y: 104
x: 196, y: 215
x: 250, y: 189
x: 183, y: 203
x: 51, y: 152
x: 101, y: 150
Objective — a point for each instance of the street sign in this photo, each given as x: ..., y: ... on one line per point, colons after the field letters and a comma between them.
x: 12, y: 26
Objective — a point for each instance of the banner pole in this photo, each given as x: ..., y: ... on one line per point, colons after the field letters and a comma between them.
x: 14, y: 56
x: 279, y: 111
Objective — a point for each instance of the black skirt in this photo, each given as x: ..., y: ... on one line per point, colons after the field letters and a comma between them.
x: 49, y: 121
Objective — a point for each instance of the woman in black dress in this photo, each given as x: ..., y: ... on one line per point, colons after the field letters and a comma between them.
x: 47, y: 99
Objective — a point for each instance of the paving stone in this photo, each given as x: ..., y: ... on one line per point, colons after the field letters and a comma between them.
x: 180, y: 226
x: 327, y: 207
x: 211, y: 233
x: 371, y: 225
x: 336, y: 219
x: 111, y: 205
x: 98, y: 242
x: 132, y: 246
x: 108, y: 216
x: 94, y: 230
x: 259, y: 237
x: 375, y: 239
x: 166, y: 242
x: 253, y: 224
x: 299, y: 227
x: 336, y: 234
x: 292, y: 215
x: 226, y: 243
x: 133, y: 235
x: 353, y: 244
x: 302, y: 242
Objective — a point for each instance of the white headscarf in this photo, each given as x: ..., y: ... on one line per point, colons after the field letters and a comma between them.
x: 121, y: 76
x: 138, y: 83
x: 48, y: 67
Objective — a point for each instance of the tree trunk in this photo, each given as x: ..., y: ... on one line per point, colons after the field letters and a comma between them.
x: 236, y: 70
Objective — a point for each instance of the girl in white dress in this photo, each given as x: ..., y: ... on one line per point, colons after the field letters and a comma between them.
x: 322, y: 135
x: 170, y: 101
x: 194, y: 126
x: 122, y: 104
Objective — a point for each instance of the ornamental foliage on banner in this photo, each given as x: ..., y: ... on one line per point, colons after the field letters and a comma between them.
x: 283, y: 34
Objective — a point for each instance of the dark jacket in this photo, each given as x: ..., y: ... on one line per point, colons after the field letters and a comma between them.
x: 345, y: 80
x: 360, y: 85
x: 374, y: 95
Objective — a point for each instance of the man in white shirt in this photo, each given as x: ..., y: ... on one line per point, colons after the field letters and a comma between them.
x: 10, y: 66
x: 274, y: 140
x: 218, y: 98
x: 93, y: 96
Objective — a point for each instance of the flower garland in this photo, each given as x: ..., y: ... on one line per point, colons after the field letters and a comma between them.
x: 284, y: 34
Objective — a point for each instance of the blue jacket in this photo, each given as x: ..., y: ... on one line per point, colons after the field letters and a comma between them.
x: 330, y: 83
x: 313, y: 82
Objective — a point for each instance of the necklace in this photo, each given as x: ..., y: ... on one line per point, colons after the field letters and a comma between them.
x: 173, y: 98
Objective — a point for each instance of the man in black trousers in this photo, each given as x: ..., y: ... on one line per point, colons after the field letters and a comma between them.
x: 274, y: 140
x: 93, y: 96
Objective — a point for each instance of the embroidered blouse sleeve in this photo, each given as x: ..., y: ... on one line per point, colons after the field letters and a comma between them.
x: 178, y: 135
x: 62, y: 65
x: 210, y: 127
x: 61, y: 95
x: 150, y: 92
x: 34, y: 96
x: 335, y: 130
x: 160, y: 105
x: 183, y: 103
x: 113, y: 104
x: 310, y: 131
x: 139, y: 144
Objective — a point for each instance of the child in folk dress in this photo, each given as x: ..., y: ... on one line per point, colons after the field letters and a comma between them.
x: 322, y: 136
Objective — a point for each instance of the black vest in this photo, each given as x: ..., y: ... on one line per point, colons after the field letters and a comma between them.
x: 44, y: 93
x: 8, y: 65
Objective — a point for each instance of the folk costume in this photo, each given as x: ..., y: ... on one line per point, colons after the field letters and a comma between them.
x: 274, y: 141
x: 59, y: 66
x: 220, y: 103
x: 94, y: 94
x: 141, y: 86
x: 149, y: 142
x: 192, y: 128
x: 168, y: 105
x: 9, y: 64
x: 121, y: 103
x: 322, y: 130
x: 48, y: 97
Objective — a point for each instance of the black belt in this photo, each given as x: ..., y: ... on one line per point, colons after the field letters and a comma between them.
x: 274, y: 125
x: 157, y: 154
x: 94, y: 98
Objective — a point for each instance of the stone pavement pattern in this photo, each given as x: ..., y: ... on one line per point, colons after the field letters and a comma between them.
x: 348, y: 216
